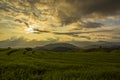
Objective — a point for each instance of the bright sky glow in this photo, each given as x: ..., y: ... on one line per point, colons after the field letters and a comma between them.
x: 60, y: 20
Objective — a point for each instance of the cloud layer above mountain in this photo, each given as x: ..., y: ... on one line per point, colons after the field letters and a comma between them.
x: 60, y: 20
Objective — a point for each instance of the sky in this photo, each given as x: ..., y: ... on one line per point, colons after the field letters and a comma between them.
x: 48, y: 21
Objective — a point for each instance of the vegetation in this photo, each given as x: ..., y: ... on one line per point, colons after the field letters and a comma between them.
x: 27, y: 64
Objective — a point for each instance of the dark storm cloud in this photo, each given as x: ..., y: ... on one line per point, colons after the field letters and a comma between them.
x: 86, y: 37
x: 69, y: 11
x: 21, y: 21
x: 82, y: 8
x: 6, y: 6
x: 74, y: 34
x: 93, y: 25
x: 79, y: 32
x: 90, y: 25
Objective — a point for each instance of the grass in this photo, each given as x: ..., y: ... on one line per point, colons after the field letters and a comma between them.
x: 19, y: 64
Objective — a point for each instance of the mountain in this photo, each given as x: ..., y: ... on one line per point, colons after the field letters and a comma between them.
x: 58, y: 47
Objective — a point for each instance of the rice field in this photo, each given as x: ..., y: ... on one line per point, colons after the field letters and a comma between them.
x: 22, y: 64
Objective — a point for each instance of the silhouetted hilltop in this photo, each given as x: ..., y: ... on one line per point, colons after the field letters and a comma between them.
x: 59, y: 47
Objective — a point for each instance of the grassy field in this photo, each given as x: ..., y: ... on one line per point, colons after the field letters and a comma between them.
x: 19, y: 64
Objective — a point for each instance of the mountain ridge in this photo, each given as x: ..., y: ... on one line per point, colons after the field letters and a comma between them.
x: 58, y: 47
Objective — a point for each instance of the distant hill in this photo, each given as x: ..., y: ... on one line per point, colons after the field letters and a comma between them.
x: 58, y: 47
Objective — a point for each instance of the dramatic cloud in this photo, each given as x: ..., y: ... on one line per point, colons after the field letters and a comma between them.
x: 62, y: 20
x: 67, y: 10
x: 73, y: 10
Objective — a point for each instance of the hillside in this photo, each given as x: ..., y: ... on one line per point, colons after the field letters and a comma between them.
x: 22, y: 64
x: 59, y: 47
